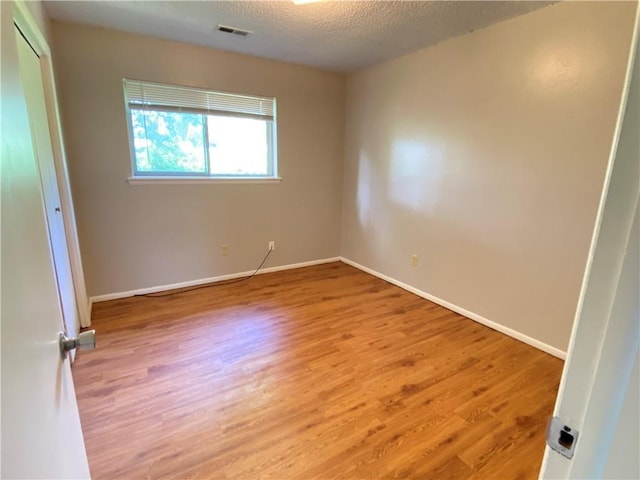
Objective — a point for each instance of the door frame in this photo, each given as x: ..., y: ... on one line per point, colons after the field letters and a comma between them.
x: 28, y: 26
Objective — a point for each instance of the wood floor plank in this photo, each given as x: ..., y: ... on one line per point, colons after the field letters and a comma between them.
x: 320, y: 372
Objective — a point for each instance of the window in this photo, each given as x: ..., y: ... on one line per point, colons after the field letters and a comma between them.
x: 193, y: 133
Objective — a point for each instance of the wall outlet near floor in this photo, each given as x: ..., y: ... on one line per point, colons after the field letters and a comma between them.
x: 224, y: 250
x: 272, y: 245
x: 414, y: 260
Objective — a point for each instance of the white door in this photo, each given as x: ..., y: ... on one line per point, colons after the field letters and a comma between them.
x: 41, y: 435
x: 31, y: 76
x: 597, y: 396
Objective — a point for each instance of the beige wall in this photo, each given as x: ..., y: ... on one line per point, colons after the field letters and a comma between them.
x: 138, y: 236
x: 485, y: 155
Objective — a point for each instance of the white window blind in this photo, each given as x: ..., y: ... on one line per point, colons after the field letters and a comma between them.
x: 155, y: 96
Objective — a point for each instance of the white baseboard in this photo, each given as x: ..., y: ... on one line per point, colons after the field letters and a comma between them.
x: 556, y: 352
x: 203, y: 281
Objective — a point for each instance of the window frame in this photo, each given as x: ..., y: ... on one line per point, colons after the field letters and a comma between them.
x: 167, y: 177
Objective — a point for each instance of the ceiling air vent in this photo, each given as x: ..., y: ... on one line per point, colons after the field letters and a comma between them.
x: 234, y: 30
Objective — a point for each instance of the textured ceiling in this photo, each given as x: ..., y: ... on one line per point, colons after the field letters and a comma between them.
x: 341, y: 36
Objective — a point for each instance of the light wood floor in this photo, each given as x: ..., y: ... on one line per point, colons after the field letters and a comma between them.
x: 321, y: 372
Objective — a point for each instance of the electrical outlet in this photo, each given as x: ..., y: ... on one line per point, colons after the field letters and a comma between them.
x: 224, y: 250
x: 414, y: 260
x: 272, y: 245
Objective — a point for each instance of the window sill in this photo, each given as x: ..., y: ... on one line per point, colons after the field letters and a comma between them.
x: 196, y: 180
